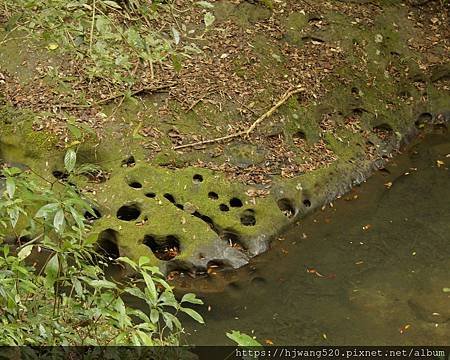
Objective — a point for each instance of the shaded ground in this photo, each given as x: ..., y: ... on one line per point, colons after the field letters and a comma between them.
x: 371, y: 270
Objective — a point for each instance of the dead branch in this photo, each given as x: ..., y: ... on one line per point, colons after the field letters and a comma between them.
x: 247, y: 132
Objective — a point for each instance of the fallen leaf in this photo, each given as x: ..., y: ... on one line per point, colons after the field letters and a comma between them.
x: 404, y: 328
x: 388, y: 185
x: 439, y: 163
x: 268, y: 342
x: 52, y: 46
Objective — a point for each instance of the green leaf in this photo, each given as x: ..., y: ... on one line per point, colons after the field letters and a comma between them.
x: 13, y: 216
x: 143, y: 260
x: 25, y: 252
x: 128, y: 261
x: 191, y: 298
x: 10, y: 187
x: 102, y: 284
x: 242, y: 339
x: 150, y: 286
x: 91, y: 238
x: 58, y: 221
x: 135, y: 292
x: 75, y: 131
x: 193, y: 314
x: 209, y: 19
x: 171, y: 320
x: 51, y: 270
x: 77, y: 217
x: 113, y: 4
x: 154, y: 316
x: 47, y: 210
x: 70, y: 160
x: 146, y: 339
x: 205, y: 4
x: 77, y: 286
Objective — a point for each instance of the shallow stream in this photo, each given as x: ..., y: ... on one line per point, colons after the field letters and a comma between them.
x: 372, y: 268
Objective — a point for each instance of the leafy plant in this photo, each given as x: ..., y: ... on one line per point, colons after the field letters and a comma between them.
x: 112, y: 38
x: 65, y: 298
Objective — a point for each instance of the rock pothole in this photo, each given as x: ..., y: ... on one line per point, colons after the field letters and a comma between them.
x: 197, y: 178
x: 107, y: 244
x: 236, y: 202
x: 135, y: 184
x: 248, y: 218
x: 129, y: 161
x: 287, y: 207
x: 213, y: 196
x: 164, y: 248
x: 128, y: 212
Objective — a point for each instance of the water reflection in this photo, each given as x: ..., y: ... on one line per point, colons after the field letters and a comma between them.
x: 370, y: 269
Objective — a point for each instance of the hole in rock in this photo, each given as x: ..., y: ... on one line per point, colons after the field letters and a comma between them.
x: 248, y: 218
x: 299, y: 135
x: 232, y: 239
x: 165, y: 248
x: 60, y: 175
x: 150, y: 195
x: 258, y: 281
x: 169, y: 197
x: 205, y: 218
x: 383, y: 127
x: 135, y: 185
x: 197, y: 178
x: 358, y: 111
x: 213, y: 196
x: 235, y: 202
x: 217, y: 265
x: 440, y: 128
x: 128, y: 212
x: 313, y: 38
x: 224, y: 207
x: 107, y: 244
x: 307, y: 203
x: 91, y: 217
x: 423, y: 119
x: 287, y: 207
x: 314, y: 19
x: 129, y: 161
x: 383, y: 131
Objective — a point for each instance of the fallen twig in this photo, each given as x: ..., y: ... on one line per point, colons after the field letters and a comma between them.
x: 247, y: 132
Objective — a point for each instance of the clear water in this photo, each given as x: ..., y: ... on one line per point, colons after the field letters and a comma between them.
x: 371, y: 269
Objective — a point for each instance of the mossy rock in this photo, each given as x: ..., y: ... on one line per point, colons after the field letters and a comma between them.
x: 203, y: 218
